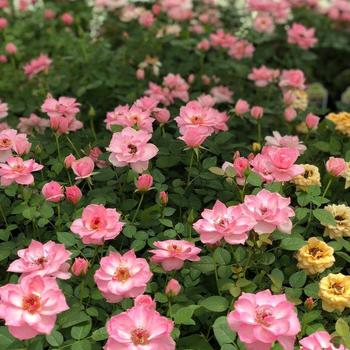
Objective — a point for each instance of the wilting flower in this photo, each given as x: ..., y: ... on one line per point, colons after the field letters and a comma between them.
x: 221, y: 222
x: 270, y: 210
x: 341, y: 215
x: 319, y: 340
x: 19, y: 171
x: 310, y: 177
x: 83, y: 167
x: 53, y: 192
x: 261, y: 319
x: 315, y: 257
x: 122, y: 276
x: 139, y: 327
x: 31, y: 307
x: 335, y: 292
x: 97, y: 224
x: 48, y: 259
x: 171, y: 254
x: 131, y: 147
x: 37, y: 65
x: 302, y: 36
x: 80, y: 267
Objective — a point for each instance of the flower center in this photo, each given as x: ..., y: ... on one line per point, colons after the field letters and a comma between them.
x: 132, y: 149
x: 307, y: 174
x: 31, y: 303
x: 339, y: 218
x: 5, y: 142
x: 95, y: 223
x: 316, y: 252
x: 135, y: 118
x: 263, y: 315
x: 139, y: 336
x: 41, y: 261
x: 174, y: 248
x: 338, y: 288
x: 121, y: 274
x: 197, y: 119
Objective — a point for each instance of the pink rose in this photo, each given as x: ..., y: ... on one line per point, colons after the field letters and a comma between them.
x: 335, y: 166
x: 163, y: 197
x: 257, y: 112
x: 11, y: 48
x: 83, y: 167
x: 97, y: 224
x: 68, y: 161
x: 139, y: 327
x: 171, y: 254
x: 319, y: 340
x: 122, y: 276
x: 53, y: 192
x: 270, y: 211
x: 49, y: 259
x: 293, y: 78
x: 261, y: 319
x: 80, y: 267
x: 73, y: 194
x: 37, y: 65
x: 302, y: 36
x: 31, y: 307
x: 67, y: 19
x: 241, y: 107
x: 263, y: 76
x: 144, y: 183
x: 290, y: 114
x: 312, y: 121
x: 194, y: 137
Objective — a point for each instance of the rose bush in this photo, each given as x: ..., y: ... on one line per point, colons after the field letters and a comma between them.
x: 174, y: 175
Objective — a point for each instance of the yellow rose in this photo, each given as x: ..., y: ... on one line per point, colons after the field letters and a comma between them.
x: 301, y: 100
x: 341, y: 214
x: 335, y: 292
x: 310, y: 177
x: 346, y: 175
x: 315, y: 256
x: 341, y: 121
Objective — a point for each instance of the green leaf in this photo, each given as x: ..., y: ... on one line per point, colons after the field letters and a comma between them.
x: 311, y: 290
x: 73, y: 317
x: 277, y: 277
x: 222, y: 256
x: 184, y: 315
x: 301, y: 213
x: 217, y: 171
x: 209, y: 162
x: 81, y: 331
x: 6, y: 339
x: 67, y: 238
x: 81, y: 345
x: 6, y: 250
x: 254, y: 179
x: 100, y: 334
x: 298, y: 279
x: 342, y: 327
x: 215, y: 304
x: 344, y: 256
x: 292, y: 243
x: 166, y: 222
x: 55, y: 338
x: 324, y: 217
x: 46, y: 211
x: 222, y: 332
x: 129, y: 231
x: 193, y: 342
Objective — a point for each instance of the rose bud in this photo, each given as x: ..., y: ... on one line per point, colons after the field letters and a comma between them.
x: 335, y: 166
x: 144, y: 182
x: 163, y: 197
x: 52, y: 192
x: 257, y: 112
x: 312, y: 121
x: 290, y: 114
x: 241, y: 107
x: 309, y: 303
x: 173, y: 288
x: 68, y: 161
x: 83, y: 167
x: 80, y: 267
x: 73, y: 194
x: 11, y: 48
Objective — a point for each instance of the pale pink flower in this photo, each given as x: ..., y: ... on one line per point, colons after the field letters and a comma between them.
x: 139, y: 327
x: 194, y: 115
x: 320, y: 340
x: 240, y: 165
x: 162, y: 115
x: 122, y: 276
x: 30, y: 307
x: 83, y: 167
x: 263, y: 76
x: 131, y: 147
x: 73, y: 194
x: 11, y: 48
x: 204, y: 45
x: 221, y: 94
x: 264, y: 23
x: 257, y: 112
x: 19, y: 171
x: 336, y: 166
x: 312, y: 121
x: 21, y: 145
x: 140, y: 74
x: 68, y: 161
x: 48, y: 259
x: 171, y: 254
x: 179, y: 10
x: 97, y: 224
x: 114, y: 117
x: 146, y: 104
x: 80, y: 267
x: 221, y: 222
x: 241, y: 49
x: 53, y: 192
x: 302, y: 36
x: 3, y: 110
x: 3, y: 59
x: 194, y: 137
x: 37, y: 65
x: 94, y: 154
x: 49, y: 14
x: 144, y: 182
x: 270, y: 211
x: 290, y: 114
x: 292, y: 78
x: 32, y: 123
x: 173, y: 288
x: 3, y: 23
x: 223, y: 39
x: 206, y: 101
x: 261, y: 319
x: 146, y: 19
x: 288, y: 141
x: 241, y: 107
x: 260, y: 165
x: 7, y: 140
x: 67, y: 19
